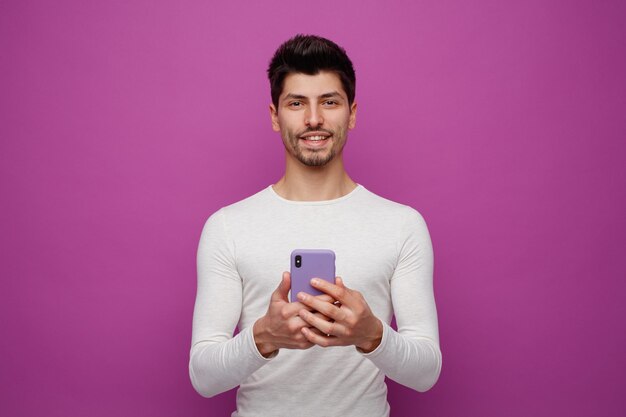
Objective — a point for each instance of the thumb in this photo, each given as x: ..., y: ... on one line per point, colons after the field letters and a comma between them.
x: 281, y: 293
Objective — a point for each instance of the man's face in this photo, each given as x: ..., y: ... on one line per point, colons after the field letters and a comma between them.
x: 313, y: 117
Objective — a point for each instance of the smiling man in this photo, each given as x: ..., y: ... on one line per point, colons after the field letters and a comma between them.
x: 317, y: 140
x: 324, y: 355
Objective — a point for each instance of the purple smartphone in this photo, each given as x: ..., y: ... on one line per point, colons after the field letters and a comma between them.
x: 307, y: 264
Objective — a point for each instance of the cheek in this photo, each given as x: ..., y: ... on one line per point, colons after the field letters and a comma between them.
x: 342, y: 123
x: 341, y: 129
x: 288, y: 123
x: 288, y: 135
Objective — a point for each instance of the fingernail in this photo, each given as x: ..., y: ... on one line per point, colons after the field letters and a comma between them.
x: 315, y: 281
x: 301, y: 296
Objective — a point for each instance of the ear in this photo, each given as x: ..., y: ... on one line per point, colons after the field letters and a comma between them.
x: 352, y: 121
x: 274, y: 117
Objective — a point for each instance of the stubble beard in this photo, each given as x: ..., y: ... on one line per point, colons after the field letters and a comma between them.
x: 313, y: 157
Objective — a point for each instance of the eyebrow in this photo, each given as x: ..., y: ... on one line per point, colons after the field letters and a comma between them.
x: 291, y: 96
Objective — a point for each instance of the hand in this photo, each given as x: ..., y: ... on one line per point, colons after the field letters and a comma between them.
x: 351, y: 322
x: 281, y: 326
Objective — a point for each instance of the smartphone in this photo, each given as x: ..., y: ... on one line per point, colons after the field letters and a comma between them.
x: 307, y: 264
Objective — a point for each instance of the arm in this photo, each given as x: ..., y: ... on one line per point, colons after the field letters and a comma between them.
x: 218, y: 361
x: 410, y: 356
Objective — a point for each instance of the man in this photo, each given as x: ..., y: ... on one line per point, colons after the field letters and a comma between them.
x: 323, y: 355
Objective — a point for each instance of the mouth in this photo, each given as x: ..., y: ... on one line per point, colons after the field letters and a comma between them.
x: 315, y: 139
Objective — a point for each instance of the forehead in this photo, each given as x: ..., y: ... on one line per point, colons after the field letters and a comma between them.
x: 312, y: 85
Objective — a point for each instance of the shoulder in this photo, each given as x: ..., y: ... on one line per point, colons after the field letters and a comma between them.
x: 246, y: 205
x: 389, y: 208
x: 240, y: 209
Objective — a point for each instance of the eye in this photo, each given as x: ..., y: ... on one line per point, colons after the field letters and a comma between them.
x: 295, y: 104
x: 330, y: 103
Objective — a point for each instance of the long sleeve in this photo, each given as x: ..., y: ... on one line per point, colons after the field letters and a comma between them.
x: 218, y: 361
x: 411, y: 356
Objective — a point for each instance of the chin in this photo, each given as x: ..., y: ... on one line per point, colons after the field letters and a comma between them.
x: 317, y: 162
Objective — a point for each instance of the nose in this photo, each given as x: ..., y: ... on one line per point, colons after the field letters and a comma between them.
x: 313, y: 117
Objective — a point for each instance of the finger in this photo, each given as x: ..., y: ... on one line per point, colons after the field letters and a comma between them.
x: 327, y: 327
x: 327, y: 309
x: 327, y: 298
x: 340, y: 284
x: 322, y: 340
x: 339, y: 293
x: 292, y: 309
x: 318, y: 314
x: 321, y: 316
x: 300, y: 324
x: 314, y: 330
x: 281, y: 293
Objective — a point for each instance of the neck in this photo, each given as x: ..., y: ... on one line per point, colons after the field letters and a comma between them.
x: 304, y: 183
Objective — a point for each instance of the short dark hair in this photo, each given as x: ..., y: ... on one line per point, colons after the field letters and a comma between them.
x: 310, y: 54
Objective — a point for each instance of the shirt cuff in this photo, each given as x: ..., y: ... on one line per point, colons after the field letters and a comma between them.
x: 381, y: 347
x: 250, y: 335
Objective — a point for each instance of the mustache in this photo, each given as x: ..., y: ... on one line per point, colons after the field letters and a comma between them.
x: 309, y: 130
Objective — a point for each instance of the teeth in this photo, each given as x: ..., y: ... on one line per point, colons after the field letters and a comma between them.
x: 315, y: 138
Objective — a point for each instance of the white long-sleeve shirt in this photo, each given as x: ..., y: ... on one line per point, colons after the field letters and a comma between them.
x: 383, y: 250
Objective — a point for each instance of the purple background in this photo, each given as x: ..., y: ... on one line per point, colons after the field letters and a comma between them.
x: 124, y: 125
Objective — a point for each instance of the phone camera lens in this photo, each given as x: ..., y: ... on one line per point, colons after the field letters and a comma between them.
x: 298, y: 261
